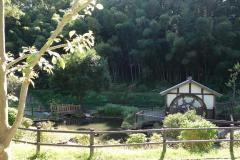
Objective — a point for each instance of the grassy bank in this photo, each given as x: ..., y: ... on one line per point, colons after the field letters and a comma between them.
x: 24, y: 151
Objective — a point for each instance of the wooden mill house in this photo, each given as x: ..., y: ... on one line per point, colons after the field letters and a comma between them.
x: 191, y: 95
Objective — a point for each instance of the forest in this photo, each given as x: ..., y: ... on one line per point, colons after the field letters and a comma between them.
x: 137, y: 41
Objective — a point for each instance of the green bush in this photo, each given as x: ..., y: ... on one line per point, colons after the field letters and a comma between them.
x: 19, y: 134
x: 27, y: 122
x: 174, y: 121
x: 156, y: 138
x: 12, y: 113
x: 136, y: 138
x: 111, y: 110
x: 179, y: 120
x: 198, y: 135
x: 82, y: 139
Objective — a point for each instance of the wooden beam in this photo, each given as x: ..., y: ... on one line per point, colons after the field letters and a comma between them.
x: 192, y: 93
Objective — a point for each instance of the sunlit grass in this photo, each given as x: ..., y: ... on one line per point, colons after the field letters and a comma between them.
x: 24, y: 151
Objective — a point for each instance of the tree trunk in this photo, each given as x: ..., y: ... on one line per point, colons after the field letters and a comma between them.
x: 5, y: 154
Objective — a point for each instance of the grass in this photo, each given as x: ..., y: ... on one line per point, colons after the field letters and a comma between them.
x: 25, y: 152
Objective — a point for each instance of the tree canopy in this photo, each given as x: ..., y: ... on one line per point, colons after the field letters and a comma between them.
x: 144, y: 41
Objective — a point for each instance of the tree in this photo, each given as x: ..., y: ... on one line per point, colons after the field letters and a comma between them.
x: 235, y: 71
x: 84, y: 71
x: 29, y: 59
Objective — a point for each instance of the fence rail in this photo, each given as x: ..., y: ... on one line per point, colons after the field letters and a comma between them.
x: 92, y: 133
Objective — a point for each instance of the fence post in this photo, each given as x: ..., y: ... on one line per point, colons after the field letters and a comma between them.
x: 164, y: 144
x: 91, y: 146
x: 231, y: 142
x: 38, y: 139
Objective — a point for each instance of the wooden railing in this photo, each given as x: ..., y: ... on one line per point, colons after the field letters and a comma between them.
x: 163, y: 131
x: 65, y: 108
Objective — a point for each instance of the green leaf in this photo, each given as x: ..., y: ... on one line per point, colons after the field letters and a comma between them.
x: 71, y: 33
x: 54, y: 60
x: 99, y: 6
x: 61, y: 62
x: 54, y: 54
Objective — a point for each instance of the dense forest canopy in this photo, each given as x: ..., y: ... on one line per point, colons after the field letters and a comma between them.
x: 144, y: 41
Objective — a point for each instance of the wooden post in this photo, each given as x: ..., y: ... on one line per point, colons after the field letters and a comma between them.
x: 38, y: 139
x: 136, y: 120
x: 164, y: 145
x: 91, y: 146
x: 231, y: 142
x: 32, y: 111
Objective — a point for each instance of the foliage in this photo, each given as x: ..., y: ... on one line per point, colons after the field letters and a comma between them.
x: 19, y: 134
x: 82, y: 139
x: 92, y: 97
x: 12, y: 113
x: 125, y: 112
x: 47, y: 97
x: 136, y: 138
x: 165, y: 41
x: 83, y: 71
x: 41, y: 156
x: 179, y: 120
x: 115, y: 110
x: 199, y: 135
x: 156, y: 138
x: 134, y: 98
x: 27, y: 122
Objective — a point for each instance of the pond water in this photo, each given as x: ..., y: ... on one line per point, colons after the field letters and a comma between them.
x: 101, y: 124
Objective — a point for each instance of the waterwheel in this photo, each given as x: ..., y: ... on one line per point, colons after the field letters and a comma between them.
x: 185, y: 102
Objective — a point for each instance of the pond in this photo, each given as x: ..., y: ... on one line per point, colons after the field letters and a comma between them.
x: 102, y: 124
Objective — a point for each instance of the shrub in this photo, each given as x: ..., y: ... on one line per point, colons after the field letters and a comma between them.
x: 179, y: 120
x: 156, y: 138
x: 236, y: 143
x: 82, y: 139
x: 198, y: 135
x: 26, y: 122
x: 111, y: 110
x: 136, y: 138
x: 12, y: 113
x: 174, y: 121
x: 19, y: 134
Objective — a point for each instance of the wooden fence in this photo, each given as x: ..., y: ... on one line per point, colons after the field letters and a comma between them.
x: 92, y: 133
x: 65, y: 108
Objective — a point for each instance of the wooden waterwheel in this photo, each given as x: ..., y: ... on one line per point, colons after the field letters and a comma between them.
x: 185, y: 102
